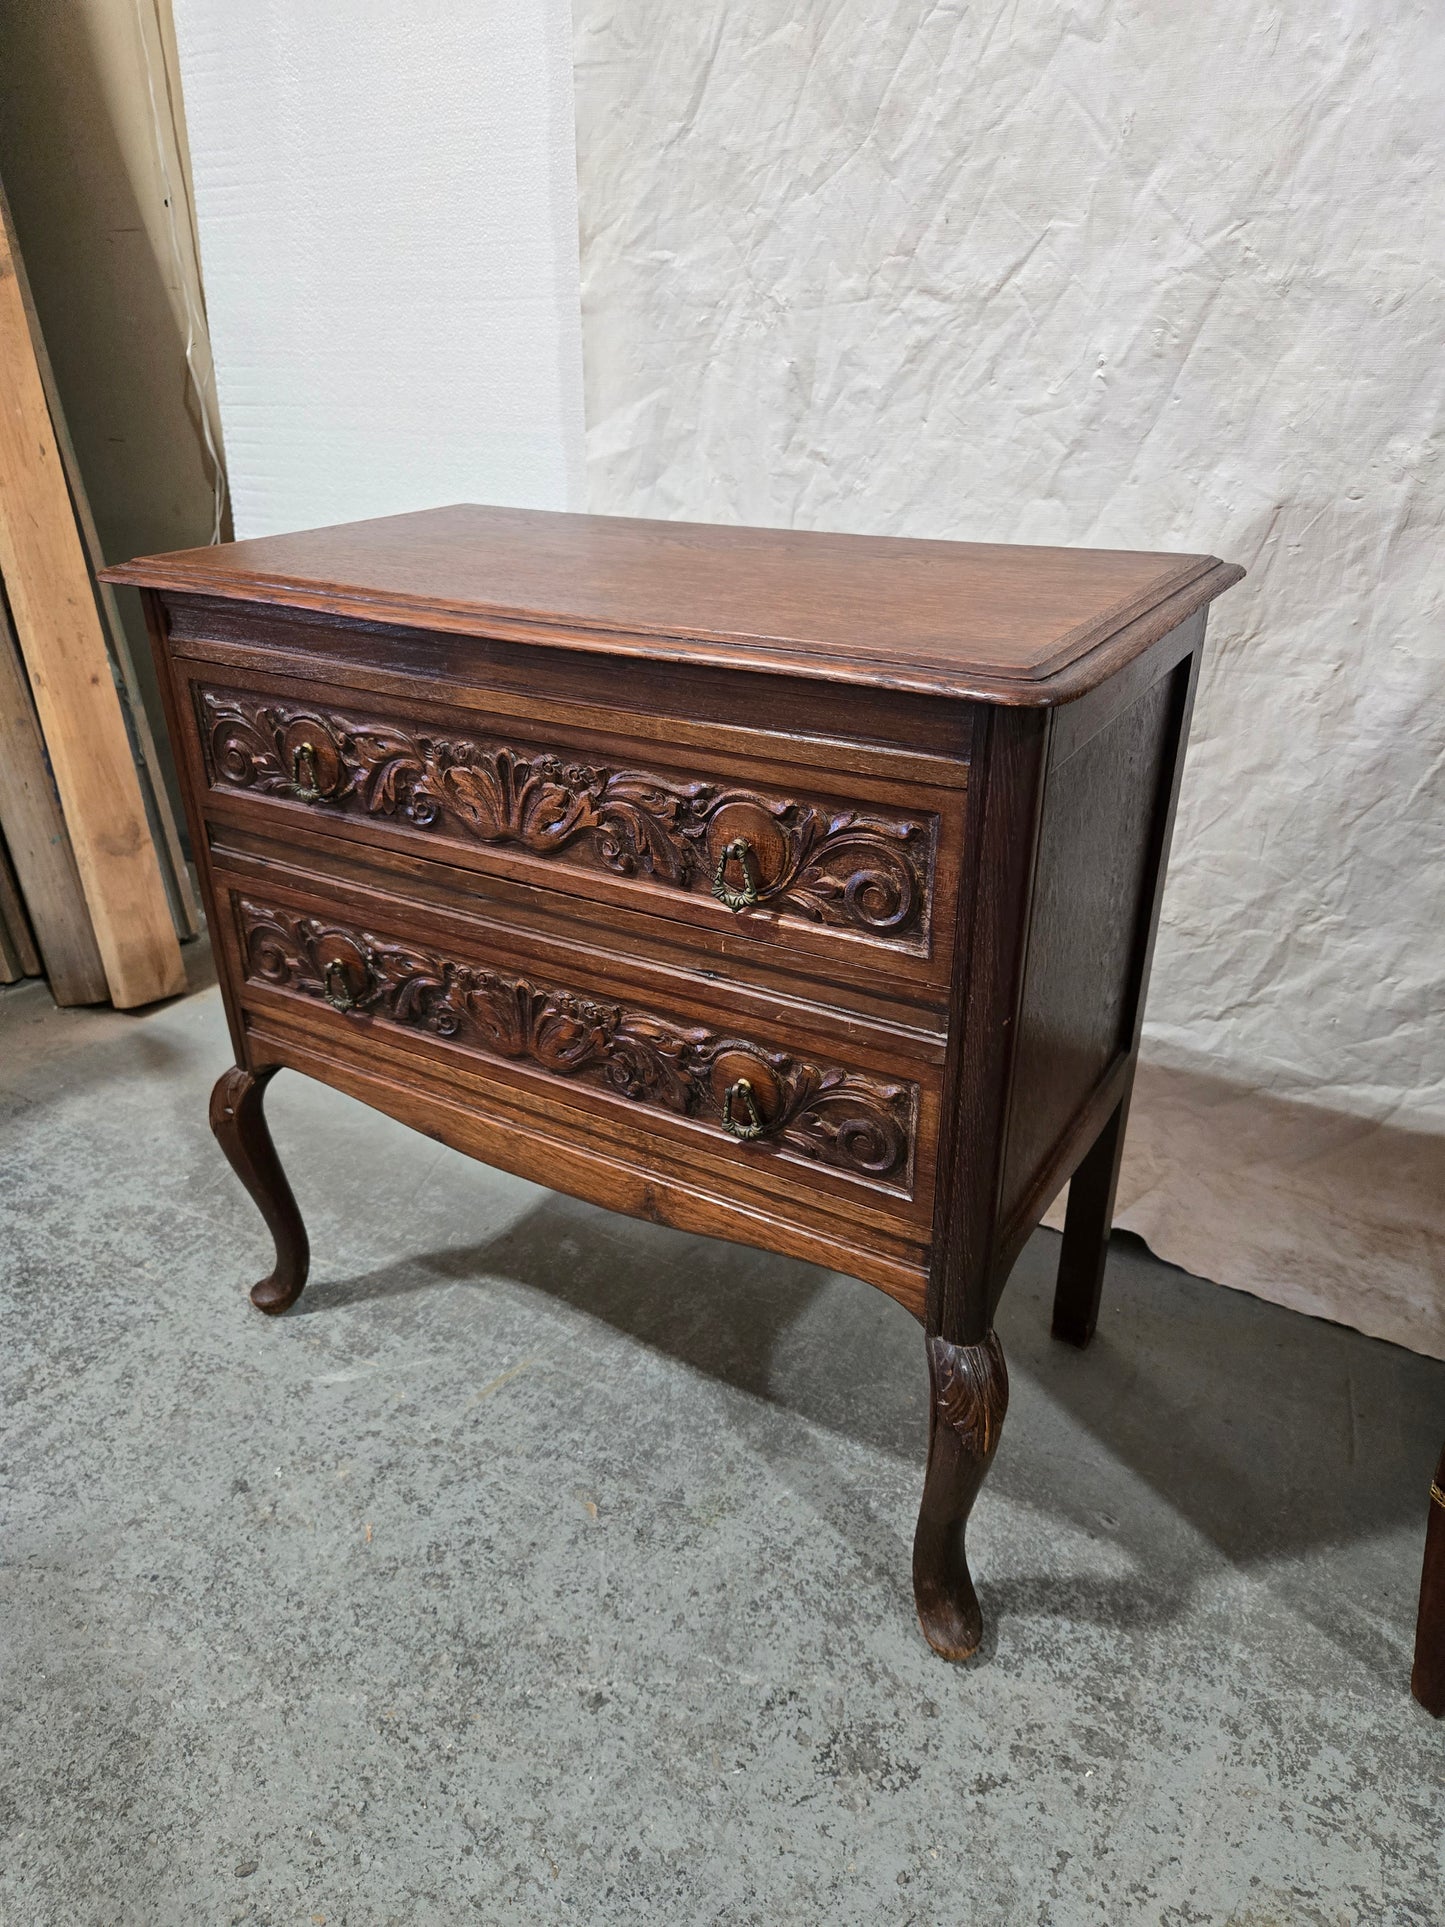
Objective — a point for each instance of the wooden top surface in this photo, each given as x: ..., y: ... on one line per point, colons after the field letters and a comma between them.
x: 1001, y: 623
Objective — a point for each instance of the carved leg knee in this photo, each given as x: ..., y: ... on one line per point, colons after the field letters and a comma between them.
x: 239, y: 1122
x: 969, y: 1387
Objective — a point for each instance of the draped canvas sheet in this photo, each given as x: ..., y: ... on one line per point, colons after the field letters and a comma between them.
x: 1134, y: 276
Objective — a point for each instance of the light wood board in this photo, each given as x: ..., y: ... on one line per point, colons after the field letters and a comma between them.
x: 34, y: 829
x: 166, y: 836
x: 58, y: 625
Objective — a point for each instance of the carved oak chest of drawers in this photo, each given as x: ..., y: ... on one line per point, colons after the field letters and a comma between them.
x: 797, y: 889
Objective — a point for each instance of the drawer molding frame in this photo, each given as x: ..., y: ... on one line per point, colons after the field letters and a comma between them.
x: 838, y: 867
x: 846, y: 1120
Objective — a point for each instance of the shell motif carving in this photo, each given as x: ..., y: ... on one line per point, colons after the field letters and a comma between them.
x: 839, y: 867
x: 970, y: 1387
x: 842, y: 1119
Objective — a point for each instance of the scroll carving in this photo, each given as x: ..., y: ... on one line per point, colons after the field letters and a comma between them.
x: 843, y: 1119
x: 838, y: 867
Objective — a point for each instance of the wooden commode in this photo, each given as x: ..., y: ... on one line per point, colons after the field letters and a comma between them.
x: 796, y: 889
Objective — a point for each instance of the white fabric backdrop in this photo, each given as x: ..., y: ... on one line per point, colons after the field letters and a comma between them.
x: 1139, y: 276
x: 386, y: 199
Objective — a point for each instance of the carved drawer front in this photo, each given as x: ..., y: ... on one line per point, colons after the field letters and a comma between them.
x: 738, y: 1089
x: 684, y: 841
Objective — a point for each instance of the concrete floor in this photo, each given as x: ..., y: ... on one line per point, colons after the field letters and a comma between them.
x: 547, y: 1566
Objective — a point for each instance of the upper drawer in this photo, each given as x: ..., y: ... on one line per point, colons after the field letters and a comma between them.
x: 739, y: 836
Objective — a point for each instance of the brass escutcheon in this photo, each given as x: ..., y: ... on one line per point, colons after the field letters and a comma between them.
x: 335, y: 974
x: 740, y: 851
x: 307, y: 791
x: 755, y: 1126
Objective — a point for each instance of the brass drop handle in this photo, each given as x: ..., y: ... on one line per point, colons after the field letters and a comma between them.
x: 307, y: 791
x: 338, y: 990
x: 741, y: 852
x: 754, y: 1126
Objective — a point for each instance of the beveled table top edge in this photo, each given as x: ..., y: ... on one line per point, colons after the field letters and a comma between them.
x: 1071, y: 663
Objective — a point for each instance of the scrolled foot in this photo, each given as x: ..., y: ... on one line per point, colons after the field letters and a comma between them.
x: 969, y: 1386
x: 239, y: 1122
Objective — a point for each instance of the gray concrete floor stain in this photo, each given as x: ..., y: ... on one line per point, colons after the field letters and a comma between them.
x: 544, y: 1565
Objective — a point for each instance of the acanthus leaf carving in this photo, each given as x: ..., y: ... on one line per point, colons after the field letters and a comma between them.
x: 970, y: 1384
x: 843, y: 1119
x: 836, y: 867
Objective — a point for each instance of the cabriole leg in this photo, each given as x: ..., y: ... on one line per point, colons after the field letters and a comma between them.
x: 239, y: 1122
x: 968, y: 1387
x: 1086, y: 1233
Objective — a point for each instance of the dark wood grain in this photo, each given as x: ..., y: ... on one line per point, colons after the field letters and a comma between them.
x: 1087, y: 1223
x: 772, y: 1099
x: 829, y: 862
x: 604, y: 1168
x: 1085, y: 1250
x: 667, y: 1145
x: 239, y: 1122
x: 968, y: 1387
x: 190, y: 777
x: 1427, y: 1680
x: 991, y: 958
x: 500, y: 676
x: 1092, y: 886
x: 897, y: 993
x: 951, y: 617
x: 784, y: 788
x: 830, y: 933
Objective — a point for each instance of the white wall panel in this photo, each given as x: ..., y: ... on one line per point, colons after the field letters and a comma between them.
x: 386, y: 198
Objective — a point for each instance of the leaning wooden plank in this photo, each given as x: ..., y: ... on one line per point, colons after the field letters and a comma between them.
x: 176, y: 876
x: 18, y: 954
x: 34, y: 828
x: 48, y: 585
x: 10, y: 971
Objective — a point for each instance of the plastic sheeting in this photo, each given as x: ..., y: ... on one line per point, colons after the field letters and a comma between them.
x: 1126, y: 275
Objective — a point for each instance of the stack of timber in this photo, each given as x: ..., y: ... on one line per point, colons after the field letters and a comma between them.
x: 94, y: 889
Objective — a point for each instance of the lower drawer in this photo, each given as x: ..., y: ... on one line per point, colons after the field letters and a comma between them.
x: 683, y: 1085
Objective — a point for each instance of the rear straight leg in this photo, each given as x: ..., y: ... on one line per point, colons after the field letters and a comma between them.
x: 239, y: 1122
x: 1427, y: 1682
x: 1086, y: 1232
